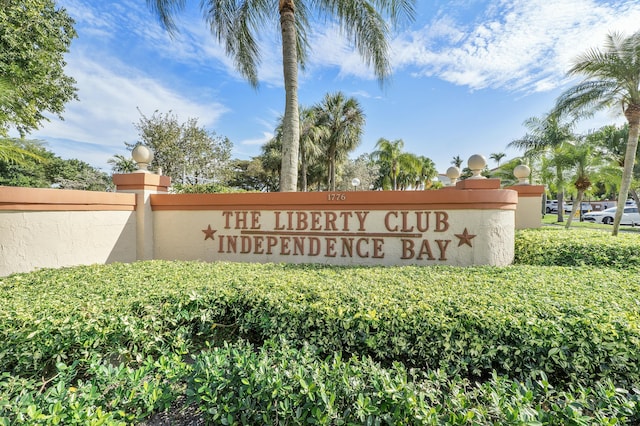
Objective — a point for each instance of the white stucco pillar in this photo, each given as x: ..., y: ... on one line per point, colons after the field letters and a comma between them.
x: 143, y: 185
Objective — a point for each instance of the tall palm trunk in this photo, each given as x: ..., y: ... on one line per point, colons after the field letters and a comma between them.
x: 577, y: 204
x: 332, y: 169
x: 632, y: 113
x: 291, y: 127
x: 560, y: 194
x: 303, y: 168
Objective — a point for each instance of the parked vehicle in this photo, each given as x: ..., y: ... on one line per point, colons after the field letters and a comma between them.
x: 551, y: 204
x: 584, y: 207
x: 554, y: 208
x: 630, y: 216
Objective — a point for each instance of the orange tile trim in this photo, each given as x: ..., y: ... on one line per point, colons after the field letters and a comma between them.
x: 370, y: 200
x: 45, y: 199
x: 528, y: 190
x: 141, y: 181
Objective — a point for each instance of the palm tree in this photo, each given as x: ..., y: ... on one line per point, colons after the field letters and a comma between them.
x: 457, y: 161
x: 409, y: 169
x: 14, y: 151
x: 547, y: 135
x: 237, y: 23
x: 497, y: 156
x: 388, y: 154
x: 311, y: 134
x: 427, y: 172
x: 121, y: 164
x: 582, y: 156
x: 612, y: 80
x: 344, y: 120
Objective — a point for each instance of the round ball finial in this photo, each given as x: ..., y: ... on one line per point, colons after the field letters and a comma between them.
x: 453, y: 173
x: 476, y: 164
x: 522, y: 172
x: 143, y: 156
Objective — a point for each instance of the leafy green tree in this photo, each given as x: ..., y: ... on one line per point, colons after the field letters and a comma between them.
x: 343, y: 120
x: 237, y: 24
x: 22, y: 163
x: 34, y: 36
x: 186, y: 152
x: 612, y: 80
x: 41, y: 168
x: 457, y: 161
x: 12, y: 152
x: 548, y: 135
x: 364, y: 169
x: 77, y: 174
x: 249, y: 175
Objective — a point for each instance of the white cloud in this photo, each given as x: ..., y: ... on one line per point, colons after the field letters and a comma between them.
x: 523, y: 45
x: 266, y: 137
x: 109, y: 100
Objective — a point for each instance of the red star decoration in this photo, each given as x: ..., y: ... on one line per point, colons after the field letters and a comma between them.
x: 208, y: 233
x: 465, y: 238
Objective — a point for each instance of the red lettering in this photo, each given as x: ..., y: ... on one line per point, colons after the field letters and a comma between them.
x: 241, y: 220
x: 442, y: 245
x: 386, y: 222
x: 245, y: 244
x: 257, y: 240
x: 407, y: 249
x: 359, y: 250
x: 298, y: 245
x: 232, y: 243
x: 345, y: 217
x: 347, y: 247
x: 425, y: 227
x: 227, y: 216
x: 442, y: 221
x: 331, y: 247
x: 361, y: 218
x: 302, y: 223
x: 255, y: 219
x: 278, y: 227
x: 271, y: 243
x: 314, y: 246
x: 405, y: 224
x: 425, y: 248
x: 377, y: 248
x: 284, y: 246
x: 331, y: 218
x: 315, y: 221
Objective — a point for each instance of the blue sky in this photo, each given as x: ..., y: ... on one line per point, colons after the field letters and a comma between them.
x: 466, y: 74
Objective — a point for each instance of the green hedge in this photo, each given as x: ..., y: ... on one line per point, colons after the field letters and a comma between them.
x: 555, y: 246
x: 577, y: 325
x: 525, y: 344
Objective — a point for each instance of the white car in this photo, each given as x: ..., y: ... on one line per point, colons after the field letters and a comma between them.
x: 630, y: 216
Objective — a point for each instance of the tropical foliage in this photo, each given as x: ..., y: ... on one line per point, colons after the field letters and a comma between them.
x: 612, y: 80
x: 238, y: 25
x: 34, y: 36
x: 30, y: 164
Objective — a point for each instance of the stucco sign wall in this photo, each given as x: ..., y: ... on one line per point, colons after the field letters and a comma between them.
x: 447, y: 227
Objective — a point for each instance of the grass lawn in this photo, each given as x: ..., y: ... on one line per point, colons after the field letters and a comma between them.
x: 552, y: 219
